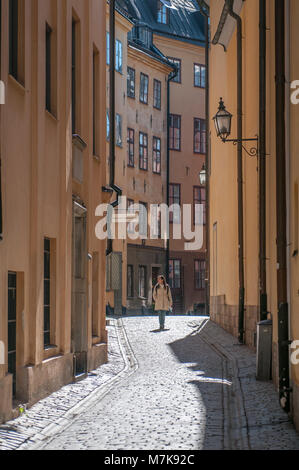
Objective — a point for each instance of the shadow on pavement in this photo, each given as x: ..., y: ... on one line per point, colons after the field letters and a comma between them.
x: 209, y: 381
x: 160, y: 331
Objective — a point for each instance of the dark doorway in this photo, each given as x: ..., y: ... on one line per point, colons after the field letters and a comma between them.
x: 12, y: 327
x: 79, y: 291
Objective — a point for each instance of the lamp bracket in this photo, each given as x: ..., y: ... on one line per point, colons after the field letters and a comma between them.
x: 252, y: 152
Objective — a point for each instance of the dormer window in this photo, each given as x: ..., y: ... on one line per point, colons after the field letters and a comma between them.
x: 162, y: 13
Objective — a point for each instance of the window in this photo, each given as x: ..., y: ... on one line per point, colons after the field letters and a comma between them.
x: 75, y: 75
x: 130, y: 281
x: 174, y: 199
x: 107, y: 48
x: 178, y: 64
x: 118, y: 56
x: 131, y: 146
x: 119, y: 139
x: 175, y: 132
x: 47, y: 282
x: 16, y: 40
x: 162, y: 13
x: 95, y: 105
x: 143, y: 219
x: 199, y: 197
x: 130, y: 210
x: 143, y: 88
x: 200, y: 274
x: 199, y: 136
x: 131, y: 83
x: 199, y: 75
x: 175, y: 280
x: 143, y: 151
x: 48, y: 67
x: 142, y: 281
x: 157, y: 94
x: 156, y: 221
x: 157, y: 155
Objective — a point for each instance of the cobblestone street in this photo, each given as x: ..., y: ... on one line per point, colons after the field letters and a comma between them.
x: 187, y: 388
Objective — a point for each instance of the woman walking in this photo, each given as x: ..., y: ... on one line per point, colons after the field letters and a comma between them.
x: 163, y: 300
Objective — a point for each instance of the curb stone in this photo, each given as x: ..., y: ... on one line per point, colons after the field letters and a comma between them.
x: 131, y: 365
x: 33, y: 429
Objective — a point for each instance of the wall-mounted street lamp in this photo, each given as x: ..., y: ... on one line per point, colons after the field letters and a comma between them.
x: 223, y: 124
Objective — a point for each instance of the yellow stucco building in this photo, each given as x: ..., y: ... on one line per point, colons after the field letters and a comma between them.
x: 254, y: 242
x: 53, y: 167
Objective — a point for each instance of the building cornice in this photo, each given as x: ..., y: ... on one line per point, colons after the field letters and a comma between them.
x: 148, y: 59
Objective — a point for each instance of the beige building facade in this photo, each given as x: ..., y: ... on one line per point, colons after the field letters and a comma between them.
x: 162, y: 119
x: 53, y: 167
x: 281, y: 176
x: 141, y: 165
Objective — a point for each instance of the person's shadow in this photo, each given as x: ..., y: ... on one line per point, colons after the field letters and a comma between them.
x: 160, y: 331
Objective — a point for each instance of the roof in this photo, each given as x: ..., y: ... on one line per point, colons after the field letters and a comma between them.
x: 186, y: 22
x: 227, y: 23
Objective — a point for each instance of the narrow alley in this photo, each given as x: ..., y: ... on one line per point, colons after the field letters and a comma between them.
x: 190, y: 387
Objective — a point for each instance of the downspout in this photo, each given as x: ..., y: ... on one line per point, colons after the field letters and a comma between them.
x: 288, y: 167
x: 112, y: 185
x: 240, y: 169
x: 171, y: 76
x: 262, y: 162
x: 281, y: 208
x: 205, y: 10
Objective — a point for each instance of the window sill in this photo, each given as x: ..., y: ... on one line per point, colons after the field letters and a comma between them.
x: 51, y: 115
x: 50, y: 352
x: 20, y: 86
x: 96, y: 158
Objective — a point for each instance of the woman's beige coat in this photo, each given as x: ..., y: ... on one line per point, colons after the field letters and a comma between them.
x: 162, y: 298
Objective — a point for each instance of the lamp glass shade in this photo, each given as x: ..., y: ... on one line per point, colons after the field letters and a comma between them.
x: 203, y: 177
x: 223, y: 121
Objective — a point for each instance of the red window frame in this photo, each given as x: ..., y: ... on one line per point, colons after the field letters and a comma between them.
x: 201, y: 84
x: 175, y: 130
x: 143, y: 151
x: 199, y: 274
x: 156, y: 155
x: 200, y: 135
x: 131, y: 147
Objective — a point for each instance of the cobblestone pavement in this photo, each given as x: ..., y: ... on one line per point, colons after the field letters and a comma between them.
x: 187, y: 388
x: 57, y: 411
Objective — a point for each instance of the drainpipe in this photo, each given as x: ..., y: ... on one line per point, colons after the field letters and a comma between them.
x: 171, y: 76
x: 281, y: 208
x: 240, y: 169
x: 205, y: 10
x: 262, y: 163
x: 112, y: 185
x: 288, y: 167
